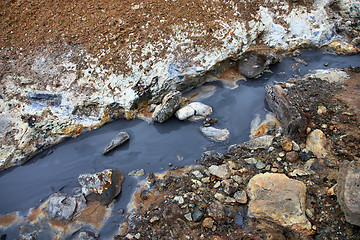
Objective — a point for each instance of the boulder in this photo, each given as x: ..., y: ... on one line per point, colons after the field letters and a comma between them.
x: 277, y: 198
x: 103, y: 186
x: 170, y: 103
x: 316, y: 143
x: 61, y: 206
x: 253, y: 63
x: 194, y: 111
x: 117, y: 141
x: 348, y: 193
x: 209, y: 158
x: 214, y: 134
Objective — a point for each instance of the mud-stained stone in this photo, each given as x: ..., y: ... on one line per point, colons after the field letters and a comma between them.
x: 349, y: 191
x: 277, y: 198
x: 316, y: 143
x: 170, y: 104
x: 214, y: 134
x: 61, y: 206
x: 7, y: 220
x: 117, y: 141
x: 103, y: 186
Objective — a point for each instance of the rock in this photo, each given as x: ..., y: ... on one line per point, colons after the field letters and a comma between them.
x: 316, y: 142
x: 250, y: 161
x: 214, y: 134
x: 197, y: 215
x: 217, y: 211
x: 329, y: 75
x: 292, y: 156
x: 240, y: 197
x: 260, y: 165
x: 219, y: 171
x: 305, y: 154
x: 209, y: 158
x: 229, y: 186
x: 117, y: 141
x: 103, y: 186
x: 348, y: 193
x: 291, y: 119
x: 295, y: 146
x: 321, y: 110
x: 197, y: 174
x: 188, y: 217
x: 287, y: 145
x: 253, y: 63
x: 195, y: 110
x: 280, y: 199
x: 170, y: 104
x: 137, y: 172
x: 208, y: 222
x: 61, y: 206
x: 154, y: 219
x: 258, y: 143
x: 219, y: 196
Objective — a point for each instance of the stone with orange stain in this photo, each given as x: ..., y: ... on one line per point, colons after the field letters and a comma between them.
x: 343, y: 48
x: 287, y: 145
x: 73, y: 130
x: 316, y: 142
x: 7, y: 220
x: 280, y: 199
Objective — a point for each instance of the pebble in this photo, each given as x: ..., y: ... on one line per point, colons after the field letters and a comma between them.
x: 154, y: 219
x: 208, y: 222
x: 287, y: 145
x: 321, y: 110
x: 179, y: 199
x: 188, y: 217
x: 260, y: 165
x: 240, y: 197
x: 197, y: 174
x: 295, y: 146
x: 281, y: 154
x: 250, y: 161
x: 220, y: 196
x: 219, y: 171
x: 137, y: 172
x: 292, y: 156
x: 217, y: 185
x: 197, y: 215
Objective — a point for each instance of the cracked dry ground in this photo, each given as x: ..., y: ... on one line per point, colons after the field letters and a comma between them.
x: 162, y: 206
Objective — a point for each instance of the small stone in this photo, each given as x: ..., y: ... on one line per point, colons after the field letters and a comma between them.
x: 281, y: 154
x: 197, y: 174
x: 208, y: 222
x: 179, y: 199
x: 188, y: 217
x: 144, y: 194
x: 170, y: 103
x: 279, y: 159
x: 129, y: 236
x: 117, y: 141
x: 258, y: 143
x: 260, y: 165
x: 267, y: 168
x: 137, y: 172
x: 237, y: 179
x: 154, y: 219
x: 217, y: 211
x: 220, y: 171
x: 305, y: 154
x: 274, y: 170
x: 209, y: 158
x: 217, y: 185
x: 137, y: 236
x: 214, y: 134
x: 287, y: 145
x: 250, y: 161
x: 219, y: 196
x: 321, y: 110
x: 295, y: 146
x: 241, y: 197
x: 61, y: 206
x: 194, y: 109
x: 197, y: 215
x: 316, y: 142
x: 292, y: 157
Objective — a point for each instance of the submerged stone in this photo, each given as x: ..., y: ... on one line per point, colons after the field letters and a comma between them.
x: 61, y: 206
x: 194, y: 111
x: 117, y: 141
x: 214, y: 134
x: 103, y: 186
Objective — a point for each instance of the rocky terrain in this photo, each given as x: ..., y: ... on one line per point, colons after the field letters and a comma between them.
x: 68, y: 67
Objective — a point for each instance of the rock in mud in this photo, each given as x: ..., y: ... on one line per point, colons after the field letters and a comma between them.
x: 215, y: 134
x: 253, y: 63
x: 257, y: 143
x: 316, y: 143
x: 170, y: 104
x: 220, y: 171
x: 280, y: 199
x: 117, y: 141
x: 348, y: 193
x: 194, y: 111
x: 209, y: 158
x: 293, y: 122
x: 61, y: 206
x: 329, y: 75
x: 103, y: 186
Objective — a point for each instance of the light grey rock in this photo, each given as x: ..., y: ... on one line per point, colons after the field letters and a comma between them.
x: 117, y: 141
x: 220, y: 171
x: 258, y: 143
x: 102, y: 186
x: 61, y: 206
x: 250, y: 161
x: 348, y: 193
x: 170, y: 104
x: 137, y: 172
x: 260, y: 165
x: 214, y: 134
x: 241, y: 197
x: 194, y: 111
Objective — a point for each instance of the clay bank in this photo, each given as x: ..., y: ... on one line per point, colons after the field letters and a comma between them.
x: 69, y: 68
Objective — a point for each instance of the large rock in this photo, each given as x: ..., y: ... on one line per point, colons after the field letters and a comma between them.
x: 214, y: 134
x: 194, y: 111
x: 103, y: 186
x: 349, y: 191
x: 253, y: 63
x: 170, y: 103
x: 316, y: 143
x: 61, y: 206
x: 117, y: 141
x: 280, y: 199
